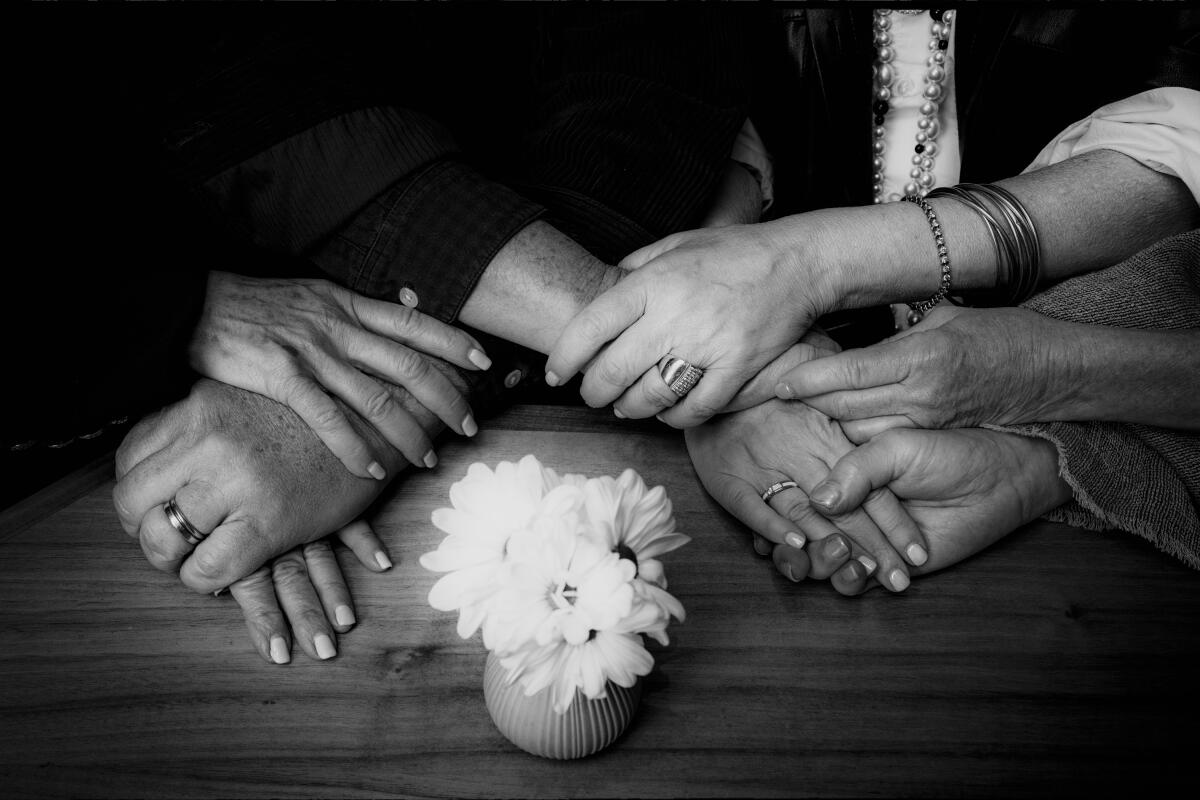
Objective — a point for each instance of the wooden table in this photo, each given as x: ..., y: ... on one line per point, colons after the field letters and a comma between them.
x: 1058, y: 662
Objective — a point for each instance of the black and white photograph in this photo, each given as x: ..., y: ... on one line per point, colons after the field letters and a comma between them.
x: 601, y: 399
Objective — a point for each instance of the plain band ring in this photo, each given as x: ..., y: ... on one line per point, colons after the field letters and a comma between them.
x: 180, y: 523
x: 679, y: 375
x: 776, y: 488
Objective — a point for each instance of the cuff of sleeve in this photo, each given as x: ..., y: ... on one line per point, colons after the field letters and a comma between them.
x: 427, y: 239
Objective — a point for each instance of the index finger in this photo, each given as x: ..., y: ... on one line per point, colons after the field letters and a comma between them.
x: 420, y: 331
x: 862, y: 368
x: 601, y: 322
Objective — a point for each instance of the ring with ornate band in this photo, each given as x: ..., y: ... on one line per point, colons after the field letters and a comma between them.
x: 679, y: 375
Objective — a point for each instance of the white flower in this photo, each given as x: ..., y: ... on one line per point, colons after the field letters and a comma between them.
x: 560, y: 573
x: 488, y: 508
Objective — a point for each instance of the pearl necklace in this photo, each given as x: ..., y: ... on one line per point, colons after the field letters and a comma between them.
x: 928, y: 127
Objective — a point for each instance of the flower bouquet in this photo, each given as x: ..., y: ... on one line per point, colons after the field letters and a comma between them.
x: 561, y: 574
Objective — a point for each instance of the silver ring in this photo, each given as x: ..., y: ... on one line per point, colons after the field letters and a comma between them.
x: 776, y: 488
x: 679, y: 375
x: 180, y: 523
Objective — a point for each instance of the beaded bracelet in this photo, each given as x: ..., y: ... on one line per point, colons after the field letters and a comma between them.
x: 918, y: 310
x: 1016, y: 244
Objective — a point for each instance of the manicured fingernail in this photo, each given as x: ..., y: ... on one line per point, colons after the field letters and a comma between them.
x: 382, y: 560
x: 917, y: 554
x: 762, y: 546
x: 468, y: 425
x: 479, y: 358
x: 430, y: 459
x: 344, y: 615
x: 899, y: 579
x: 836, y: 548
x: 377, y: 471
x: 617, y: 413
x: 279, y: 650
x: 784, y: 392
x: 868, y: 563
x: 794, y: 539
x: 324, y: 645
x: 787, y: 568
x: 551, y: 379
x: 825, y: 494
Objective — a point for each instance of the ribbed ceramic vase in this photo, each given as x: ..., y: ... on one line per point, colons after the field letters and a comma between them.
x: 531, y: 723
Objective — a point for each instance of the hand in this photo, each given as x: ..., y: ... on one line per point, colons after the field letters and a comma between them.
x: 301, y: 341
x: 727, y: 300
x: 958, y: 368
x: 965, y: 489
x: 242, y: 468
x: 738, y: 456
x: 761, y: 388
x: 303, y: 592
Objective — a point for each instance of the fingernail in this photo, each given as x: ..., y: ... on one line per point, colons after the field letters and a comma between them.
x: 794, y: 539
x: 783, y: 391
x: 825, y: 494
x: 917, y: 554
x: 279, y: 650
x: 430, y: 459
x: 791, y: 575
x: 324, y: 645
x: 760, y: 545
x: 868, y: 563
x: 468, y: 425
x: 377, y: 471
x: 899, y: 579
x: 382, y: 560
x: 344, y: 615
x: 836, y: 547
x: 551, y: 379
x: 479, y: 358
x: 617, y: 413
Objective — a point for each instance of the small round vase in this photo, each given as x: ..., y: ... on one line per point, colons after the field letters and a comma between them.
x: 531, y: 723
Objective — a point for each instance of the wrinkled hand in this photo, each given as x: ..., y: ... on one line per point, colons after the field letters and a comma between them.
x: 241, y: 467
x: 727, y: 300
x: 958, y: 368
x: 965, y: 489
x: 739, y: 455
x: 302, y: 592
x: 301, y: 341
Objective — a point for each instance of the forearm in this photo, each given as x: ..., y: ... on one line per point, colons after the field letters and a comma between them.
x: 534, y: 286
x: 1090, y: 212
x: 1100, y: 373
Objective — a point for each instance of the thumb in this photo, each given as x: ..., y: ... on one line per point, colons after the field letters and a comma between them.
x: 864, y: 469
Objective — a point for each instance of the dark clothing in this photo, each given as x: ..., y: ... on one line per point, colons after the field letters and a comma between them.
x: 1023, y: 73
x: 397, y: 149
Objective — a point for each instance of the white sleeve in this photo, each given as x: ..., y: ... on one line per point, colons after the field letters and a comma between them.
x: 750, y: 152
x: 1160, y: 128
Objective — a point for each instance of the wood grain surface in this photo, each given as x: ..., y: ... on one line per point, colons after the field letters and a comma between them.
x: 1060, y: 662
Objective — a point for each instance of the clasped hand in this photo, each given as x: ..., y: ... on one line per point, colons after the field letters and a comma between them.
x: 958, y: 368
x: 727, y: 300
x: 304, y: 342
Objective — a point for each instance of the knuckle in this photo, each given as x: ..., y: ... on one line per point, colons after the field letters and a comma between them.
x: 327, y: 417
x: 378, y: 404
x: 288, y: 571
x: 608, y: 372
x: 702, y: 409
x: 409, y: 364
x: 208, y: 567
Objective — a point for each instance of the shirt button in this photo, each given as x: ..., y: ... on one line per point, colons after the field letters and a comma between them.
x: 513, y: 378
x: 408, y: 297
x: 904, y: 87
